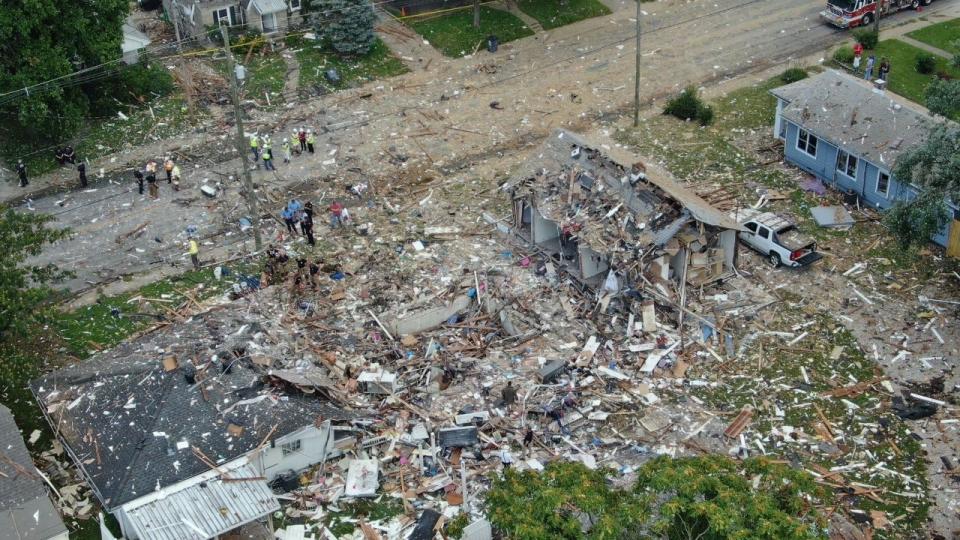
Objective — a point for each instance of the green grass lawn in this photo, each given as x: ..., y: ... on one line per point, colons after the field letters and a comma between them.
x: 315, y: 59
x: 453, y: 34
x: 904, y: 77
x: 550, y: 14
x: 266, y: 74
x: 940, y: 35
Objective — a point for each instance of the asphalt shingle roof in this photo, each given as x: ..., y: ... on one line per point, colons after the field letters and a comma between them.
x: 846, y: 110
x: 26, y: 512
x: 131, y: 425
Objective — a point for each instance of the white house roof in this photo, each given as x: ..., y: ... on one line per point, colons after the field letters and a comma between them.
x: 873, y: 124
x: 268, y: 6
x: 133, y: 39
x: 204, y: 506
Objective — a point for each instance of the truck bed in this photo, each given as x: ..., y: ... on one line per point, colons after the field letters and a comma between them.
x: 793, y: 239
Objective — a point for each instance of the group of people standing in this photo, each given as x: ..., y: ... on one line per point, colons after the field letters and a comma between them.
x: 298, y: 213
x: 261, y: 147
x: 883, y: 71
x: 149, y: 174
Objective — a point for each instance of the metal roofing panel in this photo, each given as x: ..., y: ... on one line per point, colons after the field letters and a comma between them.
x: 269, y: 6
x: 205, y: 507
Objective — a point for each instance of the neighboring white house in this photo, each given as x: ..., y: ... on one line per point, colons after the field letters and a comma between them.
x: 192, y: 17
x: 133, y: 42
x: 26, y: 512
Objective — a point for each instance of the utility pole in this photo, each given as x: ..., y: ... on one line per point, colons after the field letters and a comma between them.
x: 876, y: 18
x: 636, y: 77
x: 241, y: 139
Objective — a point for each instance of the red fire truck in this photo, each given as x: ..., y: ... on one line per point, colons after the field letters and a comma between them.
x: 852, y: 13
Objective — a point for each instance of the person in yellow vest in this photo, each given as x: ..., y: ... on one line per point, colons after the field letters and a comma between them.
x: 168, y: 167
x: 286, y: 151
x: 176, y: 177
x: 311, y: 140
x: 255, y: 146
x: 195, y: 253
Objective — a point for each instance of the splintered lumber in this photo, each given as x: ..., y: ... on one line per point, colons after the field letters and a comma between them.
x: 854, y: 389
x: 134, y: 232
x: 739, y: 423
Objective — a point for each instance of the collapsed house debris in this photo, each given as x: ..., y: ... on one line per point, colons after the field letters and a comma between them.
x: 612, y: 224
x: 382, y: 380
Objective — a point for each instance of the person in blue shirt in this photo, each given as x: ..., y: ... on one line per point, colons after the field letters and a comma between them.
x: 294, y: 205
x: 287, y: 216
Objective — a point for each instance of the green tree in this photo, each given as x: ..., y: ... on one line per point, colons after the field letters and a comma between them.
x: 717, y: 498
x: 41, y: 40
x: 346, y: 24
x: 24, y: 288
x: 561, y: 502
x: 934, y: 167
x: 943, y: 97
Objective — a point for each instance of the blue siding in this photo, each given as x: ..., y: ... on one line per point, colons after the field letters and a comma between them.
x: 824, y: 167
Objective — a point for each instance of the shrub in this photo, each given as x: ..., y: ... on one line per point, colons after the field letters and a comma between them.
x: 867, y: 38
x: 687, y: 105
x: 956, y: 61
x: 843, y: 55
x: 943, y: 98
x: 926, y: 63
x: 793, y: 75
x: 705, y: 114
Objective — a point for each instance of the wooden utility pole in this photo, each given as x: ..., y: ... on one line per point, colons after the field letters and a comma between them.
x: 476, y: 13
x: 636, y: 76
x: 241, y: 139
x: 876, y: 18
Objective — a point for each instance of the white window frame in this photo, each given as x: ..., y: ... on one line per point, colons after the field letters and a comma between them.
x: 291, y: 447
x: 295, y: 5
x: 806, y: 137
x: 886, y: 192
x: 220, y: 18
x: 844, y: 158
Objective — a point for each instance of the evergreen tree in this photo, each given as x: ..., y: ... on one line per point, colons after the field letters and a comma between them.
x: 346, y: 24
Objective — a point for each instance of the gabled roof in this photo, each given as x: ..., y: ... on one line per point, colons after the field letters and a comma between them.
x: 848, y: 111
x: 26, y: 512
x: 131, y: 426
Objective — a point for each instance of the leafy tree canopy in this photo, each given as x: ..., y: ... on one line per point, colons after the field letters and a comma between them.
x: 934, y: 167
x: 943, y: 98
x: 24, y: 287
x: 346, y: 24
x: 42, y: 40
x: 706, y: 498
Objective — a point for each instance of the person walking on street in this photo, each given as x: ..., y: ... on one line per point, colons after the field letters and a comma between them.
x: 306, y: 225
x: 195, y: 253
x: 268, y: 160
x: 152, y: 186
x: 302, y: 137
x: 868, y: 72
x: 176, y: 177
x: 311, y: 140
x: 286, y: 151
x: 255, y: 147
x: 138, y: 175
x: 82, y: 171
x: 168, y: 168
x: 22, y: 173
x: 287, y: 216
x: 884, y: 70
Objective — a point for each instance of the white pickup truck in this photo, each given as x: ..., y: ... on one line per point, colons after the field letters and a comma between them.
x: 778, y: 239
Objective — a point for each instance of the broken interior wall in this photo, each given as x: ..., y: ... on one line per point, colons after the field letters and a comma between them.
x: 424, y: 320
x: 592, y: 263
x: 296, y: 451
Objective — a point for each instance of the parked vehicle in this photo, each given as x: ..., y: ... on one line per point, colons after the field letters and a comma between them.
x: 853, y: 13
x: 779, y: 240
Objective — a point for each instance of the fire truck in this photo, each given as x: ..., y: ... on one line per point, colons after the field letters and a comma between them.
x: 853, y: 13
